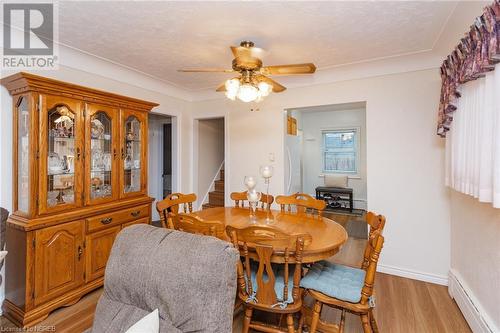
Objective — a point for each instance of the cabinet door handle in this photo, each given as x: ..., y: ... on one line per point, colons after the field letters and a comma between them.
x: 80, y: 252
x: 136, y: 213
x: 107, y: 220
x: 123, y: 154
x: 114, y: 154
x: 78, y: 153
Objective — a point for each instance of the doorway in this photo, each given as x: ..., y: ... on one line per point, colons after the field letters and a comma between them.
x: 209, y: 158
x: 162, y: 162
x: 325, y: 157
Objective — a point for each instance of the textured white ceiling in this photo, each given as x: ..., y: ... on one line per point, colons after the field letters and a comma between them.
x: 158, y: 38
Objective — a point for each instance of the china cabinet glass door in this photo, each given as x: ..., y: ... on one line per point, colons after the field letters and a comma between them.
x: 60, y: 153
x: 23, y: 119
x: 101, y: 176
x: 133, y: 153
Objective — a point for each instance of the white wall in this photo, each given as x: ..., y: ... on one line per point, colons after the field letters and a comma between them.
x: 312, y: 125
x: 405, y: 159
x: 210, y: 154
x: 475, y: 253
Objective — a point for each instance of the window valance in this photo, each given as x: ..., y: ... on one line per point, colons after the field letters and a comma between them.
x: 476, y: 54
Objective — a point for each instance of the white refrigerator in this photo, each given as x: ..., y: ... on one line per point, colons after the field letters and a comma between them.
x: 293, y: 163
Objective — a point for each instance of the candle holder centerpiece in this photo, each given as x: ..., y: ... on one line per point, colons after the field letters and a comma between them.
x: 266, y: 171
x: 253, y: 196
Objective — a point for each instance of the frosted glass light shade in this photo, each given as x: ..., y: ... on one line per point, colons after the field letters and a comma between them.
x: 265, y: 88
x: 247, y: 93
x: 232, y: 86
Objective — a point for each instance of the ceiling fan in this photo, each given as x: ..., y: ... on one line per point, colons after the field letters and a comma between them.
x: 253, y: 83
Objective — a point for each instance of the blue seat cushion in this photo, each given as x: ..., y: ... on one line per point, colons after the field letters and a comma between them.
x: 338, y: 281
x: 279, y: 284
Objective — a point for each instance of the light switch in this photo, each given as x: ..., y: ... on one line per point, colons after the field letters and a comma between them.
x: 271, y: 157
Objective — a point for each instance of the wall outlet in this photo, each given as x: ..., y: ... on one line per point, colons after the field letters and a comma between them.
x: 271, y: 157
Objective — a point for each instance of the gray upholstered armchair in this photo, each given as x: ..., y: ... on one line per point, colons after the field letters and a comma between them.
x: 191, y: 279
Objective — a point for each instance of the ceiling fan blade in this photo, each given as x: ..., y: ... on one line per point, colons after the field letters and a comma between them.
x: 307, y: 68
x: 276, y: 86
x: 221, y: 87
x: 247, y: 52
x: 206, y: 70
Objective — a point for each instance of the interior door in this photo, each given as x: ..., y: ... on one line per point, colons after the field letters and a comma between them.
x: 59, y: 260
x: 101, y: 148
x: 133, y: 153
x: 60, y: 154
x: 167, y: 159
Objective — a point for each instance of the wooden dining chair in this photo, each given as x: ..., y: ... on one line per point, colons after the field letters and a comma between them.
x: 169, y: 207
x: 345, y: 288
x: 195, y: 225
x: 262, y: 283
x: 375, y: 223
x: 240, y: 200
x: 300, y: 203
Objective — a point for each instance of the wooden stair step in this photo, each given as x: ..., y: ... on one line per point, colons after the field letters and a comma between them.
x: 219, y: 185
x: 206, y: 206
x: 216, y: 198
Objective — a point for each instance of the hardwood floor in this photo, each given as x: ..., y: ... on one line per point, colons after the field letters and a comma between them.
x: 402, y: 306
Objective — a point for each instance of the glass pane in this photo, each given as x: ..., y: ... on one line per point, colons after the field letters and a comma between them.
x: 23, y: 139
x: 339, y: 140
x: 61, y: 156
x: 340, y: 162
x: 100, y: 152
x: 132, y: 163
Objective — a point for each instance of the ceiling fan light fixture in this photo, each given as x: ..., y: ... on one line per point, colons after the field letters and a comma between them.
x: 231, y: 95
x: 265, y: 88
x: 248, y: 93
x: 232, y: 86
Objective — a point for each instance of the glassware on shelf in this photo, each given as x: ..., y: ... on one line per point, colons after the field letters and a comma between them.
x: 55, y: 163
x: 132, y: 160
x: 101, y: 150
x: 52, y: 197
x: 97, y: 129
x: 63, y: 125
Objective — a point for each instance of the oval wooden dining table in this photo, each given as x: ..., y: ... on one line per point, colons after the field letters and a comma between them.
x: 327, y: 236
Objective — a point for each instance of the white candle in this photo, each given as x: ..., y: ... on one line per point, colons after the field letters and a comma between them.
x: 266, y: 171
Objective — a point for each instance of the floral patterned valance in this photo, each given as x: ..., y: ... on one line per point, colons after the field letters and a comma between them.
x: 476, y: 54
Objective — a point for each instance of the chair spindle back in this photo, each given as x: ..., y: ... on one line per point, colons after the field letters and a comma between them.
x: 300, y: 202
x: 169, y: 207
x: 241, y: 200
x: 196, y: 225
x: 268, y: 242
x: 376, y: 223
x: 375, y: 243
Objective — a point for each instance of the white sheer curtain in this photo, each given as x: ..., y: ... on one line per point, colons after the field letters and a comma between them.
x: 473, y: 142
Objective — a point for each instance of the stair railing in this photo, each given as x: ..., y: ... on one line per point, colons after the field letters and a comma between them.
x: 212, y: 187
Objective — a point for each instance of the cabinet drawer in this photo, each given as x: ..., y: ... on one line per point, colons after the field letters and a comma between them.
x: 104, y: 221
x: 144, y: 221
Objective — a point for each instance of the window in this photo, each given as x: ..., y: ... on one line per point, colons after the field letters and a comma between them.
x: 340, y: 151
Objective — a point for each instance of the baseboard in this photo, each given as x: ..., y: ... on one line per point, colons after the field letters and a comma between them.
x: 476, y: 317
x: 411, y: 274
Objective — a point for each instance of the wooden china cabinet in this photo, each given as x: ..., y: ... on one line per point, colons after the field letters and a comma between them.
x: 80, y: 176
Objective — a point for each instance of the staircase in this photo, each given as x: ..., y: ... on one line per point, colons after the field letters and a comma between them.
x: 216, y: 197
